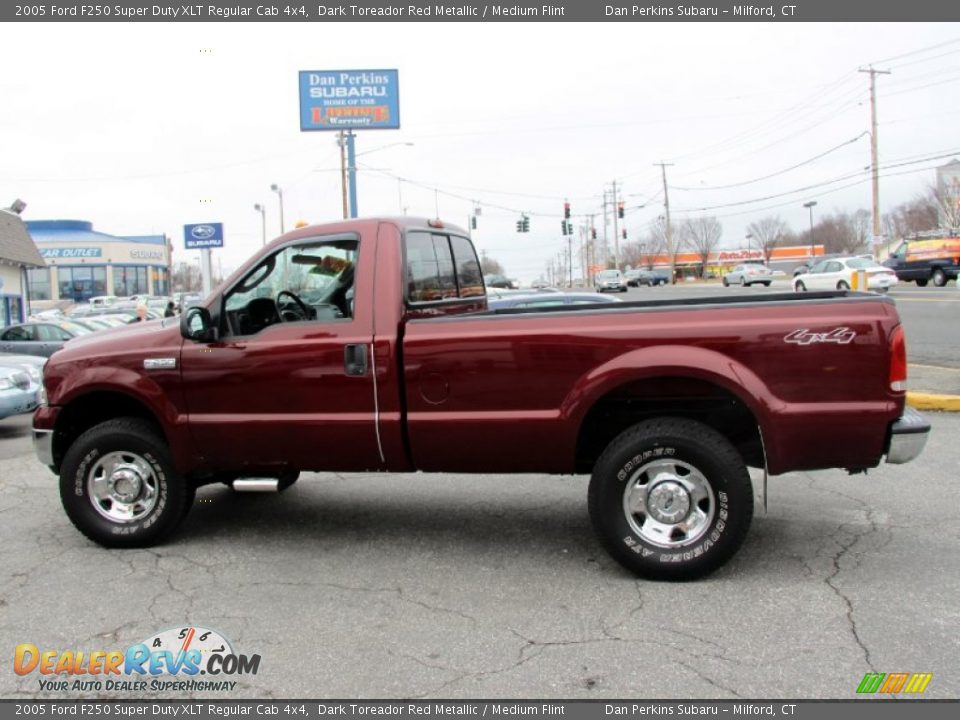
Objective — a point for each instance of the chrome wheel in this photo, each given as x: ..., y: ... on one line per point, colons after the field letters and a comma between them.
x: 669, y: 503
x: 122, y: 487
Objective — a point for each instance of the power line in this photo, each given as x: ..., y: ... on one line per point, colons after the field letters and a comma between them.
x: 779, y: 172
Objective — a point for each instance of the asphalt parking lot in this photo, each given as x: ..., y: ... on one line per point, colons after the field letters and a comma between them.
x: 447, y: 586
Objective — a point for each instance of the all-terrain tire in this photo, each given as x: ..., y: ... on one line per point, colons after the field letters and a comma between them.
x: 636, y: 499
x: 119, y: 487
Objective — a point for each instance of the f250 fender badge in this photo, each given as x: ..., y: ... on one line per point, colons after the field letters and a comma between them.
x: 160, y: 364
x: 840, y: 336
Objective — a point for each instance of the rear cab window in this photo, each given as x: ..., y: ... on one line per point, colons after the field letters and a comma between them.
x: 441, y: 267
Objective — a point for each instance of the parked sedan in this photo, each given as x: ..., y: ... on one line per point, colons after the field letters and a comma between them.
x: 747, y: 274
x: 837, y: 274
x: 549, y: 299
x: 650, y: 278
x: 40, y: 338
x: 18, y: 392
x: 610, y: 281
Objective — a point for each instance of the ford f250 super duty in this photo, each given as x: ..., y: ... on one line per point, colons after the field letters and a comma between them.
x: 367, y: 345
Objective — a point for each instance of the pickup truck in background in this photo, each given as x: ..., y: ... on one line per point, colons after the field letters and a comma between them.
x: 367, y: 345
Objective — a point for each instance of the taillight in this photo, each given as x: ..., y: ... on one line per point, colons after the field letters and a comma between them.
x: 898, y: 361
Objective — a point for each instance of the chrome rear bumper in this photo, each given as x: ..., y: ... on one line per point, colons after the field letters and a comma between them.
x: 908, y: 436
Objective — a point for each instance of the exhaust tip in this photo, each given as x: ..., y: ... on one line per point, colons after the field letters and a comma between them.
x: 256, y: 485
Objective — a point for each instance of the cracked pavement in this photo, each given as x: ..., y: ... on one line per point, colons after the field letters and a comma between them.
x: 451, y: 586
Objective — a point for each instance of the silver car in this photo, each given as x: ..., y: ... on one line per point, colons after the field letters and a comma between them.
x: 747, y: 274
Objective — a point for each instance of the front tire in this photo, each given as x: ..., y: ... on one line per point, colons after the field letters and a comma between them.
x: 671, y: 499
x: 800, y: 287
x: 119, y: 487
x: 922, y: 283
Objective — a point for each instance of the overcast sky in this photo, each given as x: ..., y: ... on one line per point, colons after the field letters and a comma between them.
x: 141, y: 128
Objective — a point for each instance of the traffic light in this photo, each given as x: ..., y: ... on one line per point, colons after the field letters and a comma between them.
x: 620, y: 209
x: 624, y: 233
x: 593, y: 233
x: 526, y: 224
x: 473, y: 222
x: 566, y: 211
x: 519, y: 225
x: 563, y: 226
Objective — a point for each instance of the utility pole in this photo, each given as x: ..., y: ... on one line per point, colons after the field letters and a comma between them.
x: 666, y: 207
x: 343, y: 173
x: 616, y: 236
x: 874, y: 161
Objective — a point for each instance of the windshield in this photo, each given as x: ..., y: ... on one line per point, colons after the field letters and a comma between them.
x: 861, y: 263
x: 610, y: 274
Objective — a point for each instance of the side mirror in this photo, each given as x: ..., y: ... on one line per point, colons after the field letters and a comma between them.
x: 196, y: 324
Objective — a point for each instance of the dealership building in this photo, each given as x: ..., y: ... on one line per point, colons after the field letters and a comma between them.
x: 83, y: 263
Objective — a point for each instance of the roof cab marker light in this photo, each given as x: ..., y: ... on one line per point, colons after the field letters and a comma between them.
x: 898, y: 361
x: 435, y: 223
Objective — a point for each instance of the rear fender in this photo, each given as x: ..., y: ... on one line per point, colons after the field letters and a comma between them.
x: 672, y: 361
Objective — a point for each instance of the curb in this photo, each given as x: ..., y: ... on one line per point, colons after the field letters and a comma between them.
x: 929, y: 401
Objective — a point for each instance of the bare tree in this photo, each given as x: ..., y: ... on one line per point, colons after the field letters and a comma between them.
x: 490, y: 266
x: 948, y: 207
x: 766, y: 234
x: 917, y: 215
x: 843, y: 232
x: 702, y: 235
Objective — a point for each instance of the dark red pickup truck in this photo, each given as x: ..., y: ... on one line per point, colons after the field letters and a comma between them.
x: 367, y: 345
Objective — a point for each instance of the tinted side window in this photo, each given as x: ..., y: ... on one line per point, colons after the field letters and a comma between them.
x: 430, y: 271
x: 469, y: 277
x: 49, y: 333
x: 17, y: 334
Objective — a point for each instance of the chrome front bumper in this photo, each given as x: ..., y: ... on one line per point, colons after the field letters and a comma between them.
x: 43, y: 446
x: 908, y: 436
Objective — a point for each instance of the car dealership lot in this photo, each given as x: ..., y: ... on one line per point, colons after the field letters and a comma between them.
x: 446, y: 586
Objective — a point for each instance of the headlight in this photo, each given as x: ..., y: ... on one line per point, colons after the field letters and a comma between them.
x: 34, y: 373
x: 5, y: 383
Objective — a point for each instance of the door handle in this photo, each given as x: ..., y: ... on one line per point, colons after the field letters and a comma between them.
x: 355, y: 359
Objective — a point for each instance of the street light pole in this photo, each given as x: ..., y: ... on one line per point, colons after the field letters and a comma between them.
x: 263, y: 220
x: 809, y: 206
x: 279, y: 191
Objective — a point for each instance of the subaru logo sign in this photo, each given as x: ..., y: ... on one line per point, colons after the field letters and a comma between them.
x: 203, y: 235
x: 203, y: 232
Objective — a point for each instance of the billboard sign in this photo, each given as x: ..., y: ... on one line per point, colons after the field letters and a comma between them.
x: 349, y: 100
x: 203, y: 235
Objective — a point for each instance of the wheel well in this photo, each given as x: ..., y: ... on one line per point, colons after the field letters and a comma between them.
x: 674, y: 397
x: 92, y: 409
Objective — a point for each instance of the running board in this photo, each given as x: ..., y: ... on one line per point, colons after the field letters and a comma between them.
x: 256, y: 484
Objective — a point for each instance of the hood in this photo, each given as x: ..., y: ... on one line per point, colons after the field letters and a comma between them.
x: 133, y: 338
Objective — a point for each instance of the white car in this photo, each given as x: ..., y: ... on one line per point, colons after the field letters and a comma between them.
x: 837, y: 274
x: 610, y: 281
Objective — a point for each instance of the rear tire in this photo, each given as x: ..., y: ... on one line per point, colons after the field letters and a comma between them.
x: 119, y: 487
x: 726, y: 283
x: 671, y: 499
x: 842, y: 285
x: 939, y: 277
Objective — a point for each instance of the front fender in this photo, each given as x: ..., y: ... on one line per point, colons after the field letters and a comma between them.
x: 147, y: 391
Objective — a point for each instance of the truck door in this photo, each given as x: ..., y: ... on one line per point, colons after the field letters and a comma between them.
x: 289, y: 382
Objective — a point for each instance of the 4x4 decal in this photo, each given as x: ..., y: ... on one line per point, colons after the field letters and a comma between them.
x: 840, y: 336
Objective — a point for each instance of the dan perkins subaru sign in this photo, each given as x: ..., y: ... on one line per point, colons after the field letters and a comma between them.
x: 202, y: 236
x: 349, y: 100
